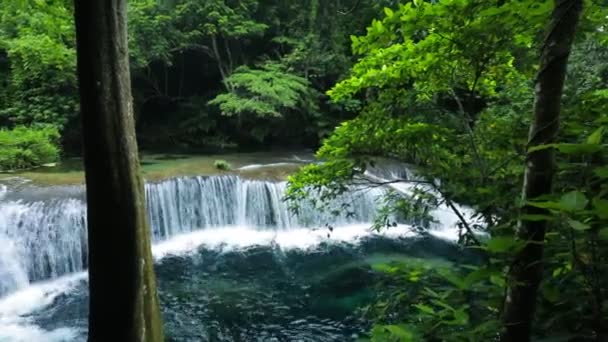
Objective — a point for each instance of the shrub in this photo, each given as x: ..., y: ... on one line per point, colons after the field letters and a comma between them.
x: 222, y: 165
x: 27, y: 147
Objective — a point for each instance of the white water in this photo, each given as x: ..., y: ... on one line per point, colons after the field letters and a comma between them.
x: 44, y: 245
x: 44, y: 229
x: 446, y: 219
x: 236, y: 237
x: 261, y: 166
x: 16, y: 326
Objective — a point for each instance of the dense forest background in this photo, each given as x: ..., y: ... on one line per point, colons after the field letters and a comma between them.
x: 205, y: 73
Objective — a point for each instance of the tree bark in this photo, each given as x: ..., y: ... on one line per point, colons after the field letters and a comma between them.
x: 525, y: 273
x: 123, y: 299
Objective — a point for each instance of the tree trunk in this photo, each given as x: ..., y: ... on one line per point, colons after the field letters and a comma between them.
x: 123, y: 299
x: 526, y: 271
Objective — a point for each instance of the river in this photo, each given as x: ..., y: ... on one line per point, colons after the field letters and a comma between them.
x: 232, y: 262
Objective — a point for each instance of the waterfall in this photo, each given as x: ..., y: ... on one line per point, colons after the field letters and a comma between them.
x: 185, y: 204
x: 48, y: 238
x: 443, y: 214
x: 43, y: 229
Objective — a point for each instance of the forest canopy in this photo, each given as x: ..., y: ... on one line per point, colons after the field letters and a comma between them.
x: 204, y: 73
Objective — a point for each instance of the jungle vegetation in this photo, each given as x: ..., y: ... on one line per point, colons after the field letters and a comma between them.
x: 500, y: 106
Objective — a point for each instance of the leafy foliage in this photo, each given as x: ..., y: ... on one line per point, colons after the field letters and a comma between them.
x: 222, y: 165
x: 433, y: 103
x: 22, y: 147
x: 446, y: 86
x: 431, y: 301
x: 265, y: 92
x: 152, y: 34
x: 38, y: 39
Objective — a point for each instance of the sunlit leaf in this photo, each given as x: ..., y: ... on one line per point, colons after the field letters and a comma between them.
x: 402, y: 332
x: 596, y: 137
x: 425, y: 309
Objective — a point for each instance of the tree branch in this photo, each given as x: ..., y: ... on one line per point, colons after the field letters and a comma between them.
x: 352, y: 9
x: 447, y: 201
x: 467, y: 119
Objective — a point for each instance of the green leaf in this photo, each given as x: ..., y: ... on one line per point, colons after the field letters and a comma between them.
x: 498, y: 280
x: 568, y: 148
x: 401, y: 331
x: 578, y: 148
x: 425, y: 309
x: 461, y: 317
x: 546, y: 205
x: 573, y: 201
x: 556, y: 272
x: 541, y: 147
x: 550, y: 293
x: 577, y: 225
x: 442, y: 304
x: 477, y: 276
x: 501, y: 244
x: 431, y: 292
x: 530, y: 217
x: 601, y: 172
x: 389, y: 12
x: 452, y: 278
x: 596, y: 137
x: 600, y: 208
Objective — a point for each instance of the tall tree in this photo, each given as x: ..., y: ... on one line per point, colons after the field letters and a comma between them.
x: 123, y: 299
x: 527, y: 268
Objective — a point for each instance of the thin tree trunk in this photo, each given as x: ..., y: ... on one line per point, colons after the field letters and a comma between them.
x: 229, y: 55
x: 123, y: 299
x: 220, y: 64
x: 526, y: 271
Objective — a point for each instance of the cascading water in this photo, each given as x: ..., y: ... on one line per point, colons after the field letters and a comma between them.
x: 248, y: 241
x: 404, y: 180
x: 183, y: 204
x: 46, y: 237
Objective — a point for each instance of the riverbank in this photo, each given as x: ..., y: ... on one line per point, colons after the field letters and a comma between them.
x: 266, y: 165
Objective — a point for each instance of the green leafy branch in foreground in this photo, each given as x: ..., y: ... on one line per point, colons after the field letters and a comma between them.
x: 446, y: 86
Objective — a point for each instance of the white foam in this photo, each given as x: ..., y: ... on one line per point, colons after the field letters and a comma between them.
x: 259, y: 166
x: 14, y: 327
x: 236, y: 237
x: 13, y: 275
x: 3, y: 191
x: 29, y: 333
x: 446, y: 216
